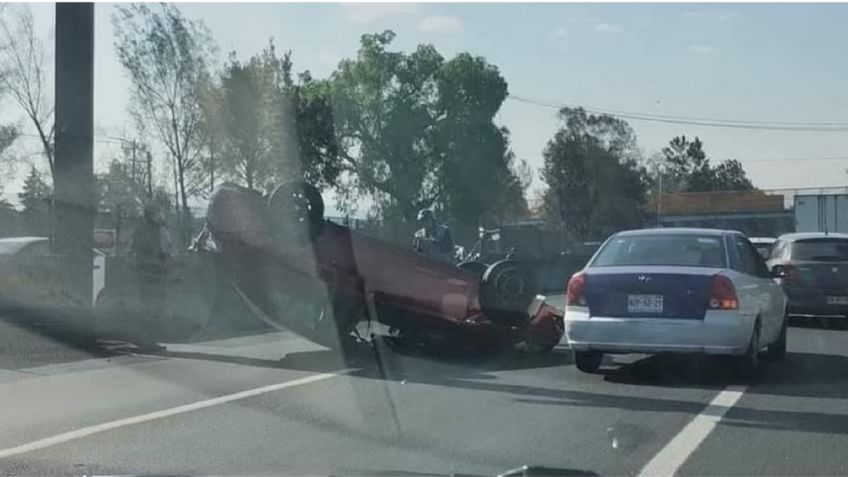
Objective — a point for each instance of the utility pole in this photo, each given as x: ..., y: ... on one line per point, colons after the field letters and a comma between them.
x: 74, y: 163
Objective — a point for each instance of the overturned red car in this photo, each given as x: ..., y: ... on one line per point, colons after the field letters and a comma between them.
x: 296, y: 270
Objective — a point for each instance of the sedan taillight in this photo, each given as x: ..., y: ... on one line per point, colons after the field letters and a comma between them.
x: 575, y: 294
x: 723, y: 294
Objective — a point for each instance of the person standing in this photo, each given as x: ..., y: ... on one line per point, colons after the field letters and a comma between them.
x: 152, y: 253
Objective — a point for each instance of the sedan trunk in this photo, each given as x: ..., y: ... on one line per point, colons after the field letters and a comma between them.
x: 649, y: 292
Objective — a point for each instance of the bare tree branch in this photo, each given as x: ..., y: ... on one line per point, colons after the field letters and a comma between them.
x: 22, y: 59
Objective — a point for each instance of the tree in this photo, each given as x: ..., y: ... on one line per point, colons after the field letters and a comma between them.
x: 730, y: 175
x: 687, y: 169
x: 123, y: 192
x: 415, y: 131
x: 22, y: 60
x: 8, y: 135
x: 316, y: 133
x: 212, y: 130
x: 8, y: 214
x: 166, y: 57
x: 595, y: 185
x: 476, y: 169
x: 36, y: 197
x: 246, y: 93
x: 269, y: 128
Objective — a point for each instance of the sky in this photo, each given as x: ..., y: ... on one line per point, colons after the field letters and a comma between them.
x: 751, y: 62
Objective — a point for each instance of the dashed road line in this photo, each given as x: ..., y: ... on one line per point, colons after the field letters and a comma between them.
x: 669, y: 460
x: 111, y: 425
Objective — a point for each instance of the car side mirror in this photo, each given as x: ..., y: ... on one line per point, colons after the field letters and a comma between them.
x: 778, y: 272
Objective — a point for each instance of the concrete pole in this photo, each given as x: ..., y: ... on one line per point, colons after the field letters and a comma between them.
x: 75, y: 202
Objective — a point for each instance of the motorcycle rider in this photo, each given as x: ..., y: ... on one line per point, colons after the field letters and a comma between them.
x: 433, y: 239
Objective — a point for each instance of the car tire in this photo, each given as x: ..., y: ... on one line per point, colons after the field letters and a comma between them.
x: 748, y: 365
x: 505, y: 292
x: 296, y: 208
x: 777, y: 350
x: 588, y: 361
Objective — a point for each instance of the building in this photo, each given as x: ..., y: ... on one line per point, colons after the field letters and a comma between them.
x: 754, y: 213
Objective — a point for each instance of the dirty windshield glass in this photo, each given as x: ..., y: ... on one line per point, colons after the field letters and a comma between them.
x: 354, y: 239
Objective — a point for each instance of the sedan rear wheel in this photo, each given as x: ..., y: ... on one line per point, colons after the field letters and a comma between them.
x: 748, y: 365
x: 588, y: 361
x: 777, y: 350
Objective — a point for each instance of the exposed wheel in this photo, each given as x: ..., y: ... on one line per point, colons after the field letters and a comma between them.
x: 748, y: 365
x: 297, y: 210
x: 506, y: 291
x: 777, y: 350
x: 588, y: 361
x: 475, y: 267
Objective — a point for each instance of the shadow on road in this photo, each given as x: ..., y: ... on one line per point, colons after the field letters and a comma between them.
x: 799, y: 375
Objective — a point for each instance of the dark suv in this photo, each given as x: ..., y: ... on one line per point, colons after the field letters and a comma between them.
x: 813, y: 269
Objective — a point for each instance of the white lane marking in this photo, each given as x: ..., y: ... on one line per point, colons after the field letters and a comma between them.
x: 108, y: 426
x: 674, y: 454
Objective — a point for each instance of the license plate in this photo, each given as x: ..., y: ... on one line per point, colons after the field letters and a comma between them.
x: 644, y: 303
x: 837, y: 300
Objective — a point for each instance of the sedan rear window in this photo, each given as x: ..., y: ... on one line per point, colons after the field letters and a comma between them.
x: 827, y: 249
x: 663, y: 249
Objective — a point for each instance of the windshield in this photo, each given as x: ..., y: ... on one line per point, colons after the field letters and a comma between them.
x: 423, y: 238
x: 682, y: 250
x: 820, y: 249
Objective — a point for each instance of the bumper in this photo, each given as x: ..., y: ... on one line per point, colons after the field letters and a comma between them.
x: 813, y: 304
x: 546, y: 326
x: 720, y: 333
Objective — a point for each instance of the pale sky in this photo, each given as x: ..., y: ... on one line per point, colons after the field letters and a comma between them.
x: 752, y: 62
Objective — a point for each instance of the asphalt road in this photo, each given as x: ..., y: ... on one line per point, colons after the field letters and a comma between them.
x: 276, y: 404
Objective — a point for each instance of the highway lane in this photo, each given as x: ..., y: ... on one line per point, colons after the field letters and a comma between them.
x: 792, y: 421
x: 415, y: 413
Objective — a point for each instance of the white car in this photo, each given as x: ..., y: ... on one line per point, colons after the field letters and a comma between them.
x: 763, y: 245
x: 699, y: 291
x: 18, y: 249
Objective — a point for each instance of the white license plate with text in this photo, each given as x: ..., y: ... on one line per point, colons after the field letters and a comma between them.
x: 645, y: 304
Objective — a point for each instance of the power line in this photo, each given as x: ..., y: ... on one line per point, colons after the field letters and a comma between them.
x: 795, y: 159
x: 94, y: 138
x: 691, y: 121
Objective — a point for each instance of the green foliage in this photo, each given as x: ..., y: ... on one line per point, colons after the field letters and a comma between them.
x: 416, y: 131
x: 166, y: 57
x: 247, y: 93
x: 595, y: 184
x: 688, y: 169
x: 36, y: 197
x: 729, y: 175
x: 270, y: 128
x: 476, y: 174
